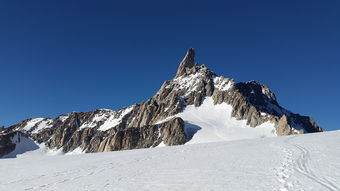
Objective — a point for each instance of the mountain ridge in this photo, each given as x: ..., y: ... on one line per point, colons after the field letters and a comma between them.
x: 157, y: 121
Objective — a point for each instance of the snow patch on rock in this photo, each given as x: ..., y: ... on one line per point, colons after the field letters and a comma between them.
x: 222, y: 84
x: 104, y: 115
x: 31, y: 123
x: 188, y: 83
x: 114, y: 120
x: 44, y: 124
x: 63, y: 118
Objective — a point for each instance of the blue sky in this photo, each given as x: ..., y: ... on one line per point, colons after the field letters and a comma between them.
x: 63, y: 56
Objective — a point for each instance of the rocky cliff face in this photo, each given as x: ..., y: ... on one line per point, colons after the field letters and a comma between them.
x: 153, y: 122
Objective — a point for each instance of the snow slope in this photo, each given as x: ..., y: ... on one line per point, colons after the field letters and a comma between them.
x: 300, y: 162
x: 31, y: 123
x: 23, y: 145
x: 213, y: 123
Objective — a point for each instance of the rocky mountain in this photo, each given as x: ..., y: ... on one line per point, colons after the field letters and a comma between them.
x: 196, y: 106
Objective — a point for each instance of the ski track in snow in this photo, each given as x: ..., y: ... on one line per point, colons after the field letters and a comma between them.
x: 301, y: 162
x: 303, y: 167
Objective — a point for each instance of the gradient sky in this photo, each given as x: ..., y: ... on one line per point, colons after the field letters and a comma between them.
x: 62, y: 56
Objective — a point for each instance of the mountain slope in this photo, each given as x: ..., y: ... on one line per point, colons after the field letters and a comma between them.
x: 177, y: 114
x: 296, y: 162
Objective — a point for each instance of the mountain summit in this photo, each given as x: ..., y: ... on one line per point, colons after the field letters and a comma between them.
x: 187, y: 63
x: 196, y: 106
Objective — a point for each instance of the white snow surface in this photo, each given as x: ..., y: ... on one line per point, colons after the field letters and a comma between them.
x: 213, y: 123
x: 27, y: 148
x: 76, y: 151
x: 31, y: 123
x: 298, y: 162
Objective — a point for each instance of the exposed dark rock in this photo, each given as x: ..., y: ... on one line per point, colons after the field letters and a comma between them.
x: 6, y: 144
x: 307, y: 124
x: 172, y: 132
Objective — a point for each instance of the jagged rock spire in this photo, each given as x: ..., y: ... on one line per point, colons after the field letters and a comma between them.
x: 187, y: 62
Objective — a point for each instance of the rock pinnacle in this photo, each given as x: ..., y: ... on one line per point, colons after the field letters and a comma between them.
x: 187, y: 62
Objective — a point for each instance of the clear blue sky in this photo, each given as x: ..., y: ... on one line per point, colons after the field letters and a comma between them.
x: 62, y: 56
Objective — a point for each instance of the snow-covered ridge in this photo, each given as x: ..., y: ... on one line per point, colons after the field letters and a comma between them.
x: 101, y: 116
x: 104, y: 120
x: 36, y: 124
x: 31, y: 123
x: 46, y: 123
x: 107, y: 119
x: 188, y: 83
x: 222, y: 84
x: 63, y: 118
x: 115, y: 119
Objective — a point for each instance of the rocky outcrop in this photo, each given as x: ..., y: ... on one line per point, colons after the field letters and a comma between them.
x: 170, y: 133
x: 6, y: 144
x: 153, y: 122
x: 283, y: 127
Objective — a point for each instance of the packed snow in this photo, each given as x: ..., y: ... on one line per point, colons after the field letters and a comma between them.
x: 76, y: 151
x: 212, y: 123
x: 299, y: 162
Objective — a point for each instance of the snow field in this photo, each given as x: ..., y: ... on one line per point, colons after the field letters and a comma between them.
x: 299, y: 162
